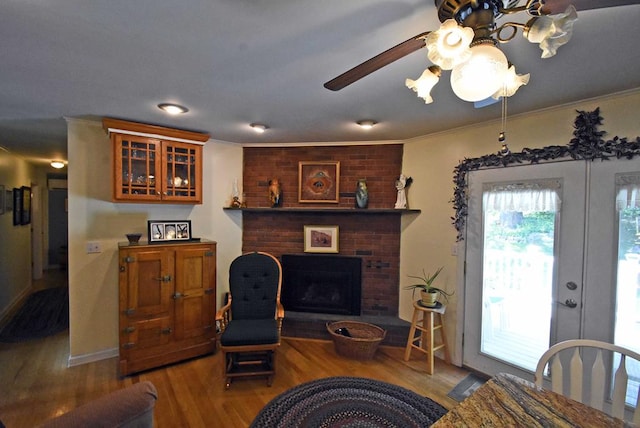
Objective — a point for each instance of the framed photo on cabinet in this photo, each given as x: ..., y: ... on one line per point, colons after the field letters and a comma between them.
x: 318, y: 182
x: 169, y: 230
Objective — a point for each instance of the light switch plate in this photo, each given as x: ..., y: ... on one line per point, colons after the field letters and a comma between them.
x: 93, y: 247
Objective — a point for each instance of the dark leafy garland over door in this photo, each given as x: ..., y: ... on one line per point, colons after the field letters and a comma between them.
x: 587, y: 144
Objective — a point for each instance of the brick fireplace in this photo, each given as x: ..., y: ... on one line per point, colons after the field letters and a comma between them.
x: 372, y: 234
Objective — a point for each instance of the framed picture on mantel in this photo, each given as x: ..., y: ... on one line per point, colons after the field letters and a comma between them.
x: 319, y: 182
x: 321, y: 239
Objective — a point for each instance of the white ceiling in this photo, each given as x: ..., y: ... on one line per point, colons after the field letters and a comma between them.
x: 233, y: 62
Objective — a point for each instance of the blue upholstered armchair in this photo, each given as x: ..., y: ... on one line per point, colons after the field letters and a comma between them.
x: 251, y: 320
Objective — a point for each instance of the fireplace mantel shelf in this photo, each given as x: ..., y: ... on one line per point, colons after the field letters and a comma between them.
x: 317, y: 210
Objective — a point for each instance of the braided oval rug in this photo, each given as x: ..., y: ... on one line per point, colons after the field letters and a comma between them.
x: 348, y: 402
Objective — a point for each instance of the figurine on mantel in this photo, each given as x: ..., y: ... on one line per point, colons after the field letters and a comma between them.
x: 401, y: 185
x: 362, y: 194
x: 275, y: 193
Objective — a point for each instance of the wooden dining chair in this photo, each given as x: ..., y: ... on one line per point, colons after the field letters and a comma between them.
x: 582, y: 370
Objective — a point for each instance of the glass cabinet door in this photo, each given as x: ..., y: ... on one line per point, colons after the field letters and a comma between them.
x: 182, y: 172
x: 138, y: 161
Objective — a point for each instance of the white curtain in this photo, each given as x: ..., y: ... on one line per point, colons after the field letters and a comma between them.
x: 628, y: 191
x: 523, y: 197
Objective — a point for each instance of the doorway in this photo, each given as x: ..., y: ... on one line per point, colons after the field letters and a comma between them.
x: 552, y: 254
x: 57, y: 224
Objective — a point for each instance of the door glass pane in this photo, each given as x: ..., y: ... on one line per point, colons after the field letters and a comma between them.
x: 519, y: 223
x: 180, y: 171
x: 627, y: 320
x: 138, y: 165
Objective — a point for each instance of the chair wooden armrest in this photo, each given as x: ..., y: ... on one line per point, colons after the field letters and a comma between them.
x: 279, y: 316
x: 279, y: 311
x: 223, y: 316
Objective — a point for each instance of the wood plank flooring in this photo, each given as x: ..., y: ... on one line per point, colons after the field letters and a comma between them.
x: 35, y: 382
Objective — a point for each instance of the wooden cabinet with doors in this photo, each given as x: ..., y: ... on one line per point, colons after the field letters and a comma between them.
x: 155, y: 164
x: 167, y: 303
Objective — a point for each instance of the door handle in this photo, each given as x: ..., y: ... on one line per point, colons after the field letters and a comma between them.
x: 569, y: 303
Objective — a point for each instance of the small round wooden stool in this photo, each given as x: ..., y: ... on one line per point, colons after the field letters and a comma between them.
x: 424, y: 320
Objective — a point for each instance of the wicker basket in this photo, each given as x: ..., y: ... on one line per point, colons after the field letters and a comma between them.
x: 363, y: 342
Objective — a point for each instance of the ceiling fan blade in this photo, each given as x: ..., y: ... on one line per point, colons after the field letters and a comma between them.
x: 377, y: 62
x: 559, y: 6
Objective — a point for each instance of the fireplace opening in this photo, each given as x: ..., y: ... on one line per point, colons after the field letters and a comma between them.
x: 321, y: 284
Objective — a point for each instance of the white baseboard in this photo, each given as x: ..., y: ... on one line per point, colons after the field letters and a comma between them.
x: 78, y: 360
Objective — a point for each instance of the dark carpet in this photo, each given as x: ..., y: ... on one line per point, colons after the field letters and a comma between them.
x: 45, y: 313
x: 466, y: 387
x: 348, y: 402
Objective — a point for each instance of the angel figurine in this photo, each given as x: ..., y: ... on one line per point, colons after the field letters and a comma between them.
x: 401, y: 184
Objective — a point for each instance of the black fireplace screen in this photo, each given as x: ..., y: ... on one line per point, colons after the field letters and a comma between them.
x: 321, y: 284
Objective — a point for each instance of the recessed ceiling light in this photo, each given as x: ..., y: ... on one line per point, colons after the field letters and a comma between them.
x: 57, y: 164
x: 173, y: 108
x: 258, y: 127
x: 366, y: 124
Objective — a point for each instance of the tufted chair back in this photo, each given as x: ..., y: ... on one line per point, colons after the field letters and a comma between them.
x: 254, y: 283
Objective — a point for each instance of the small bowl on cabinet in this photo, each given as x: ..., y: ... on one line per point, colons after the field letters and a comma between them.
x: 133, y: 238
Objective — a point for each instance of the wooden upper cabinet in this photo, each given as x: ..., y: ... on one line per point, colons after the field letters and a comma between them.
x: 155, y: 164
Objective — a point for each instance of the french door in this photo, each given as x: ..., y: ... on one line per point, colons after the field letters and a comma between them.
x: 552, y: 253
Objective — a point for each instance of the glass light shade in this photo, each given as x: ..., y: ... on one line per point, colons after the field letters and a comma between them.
x: 482, y: 75
x: 512, y: 83
x: 425, y: 83
x: 449, y: 45
x: 173, y: 108
x: 57, y: 164
x: 551, y: 31
x: 366, y: 124
x: 258, y: 127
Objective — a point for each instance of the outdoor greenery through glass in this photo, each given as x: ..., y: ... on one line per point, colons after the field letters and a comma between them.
x: 517, y: 270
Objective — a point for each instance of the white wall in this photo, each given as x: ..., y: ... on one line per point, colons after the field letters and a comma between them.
x: 15, y: 241
x: 428, y: 238
x: 93, y: 278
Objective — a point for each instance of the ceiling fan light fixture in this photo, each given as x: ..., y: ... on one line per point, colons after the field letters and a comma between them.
x: 449, y: 45
x: 482, y: 75
x: 57, y: 164
x: 425, y: 83
x: 258, y: 127
x: 551, y: 31
x: 366, y: 124
x: 512, y: 83
x: 172, y: 108
x: 535, y: 8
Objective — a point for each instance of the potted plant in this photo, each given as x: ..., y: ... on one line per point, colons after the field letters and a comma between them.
x: 428, y: 292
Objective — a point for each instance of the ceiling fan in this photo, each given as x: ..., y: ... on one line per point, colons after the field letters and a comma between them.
x: 467, y: 40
